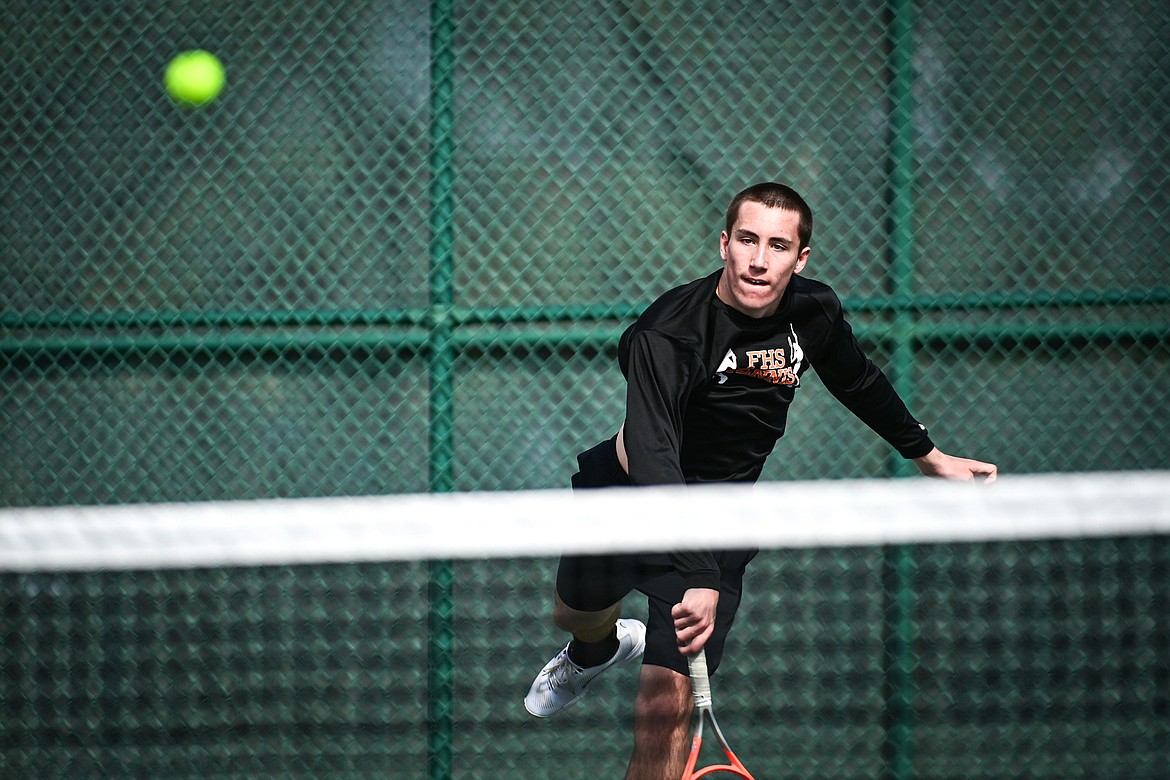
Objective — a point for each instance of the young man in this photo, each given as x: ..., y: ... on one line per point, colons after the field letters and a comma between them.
x: 711, y: 368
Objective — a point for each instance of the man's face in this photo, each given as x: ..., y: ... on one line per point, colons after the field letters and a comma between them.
x: 759, y: 257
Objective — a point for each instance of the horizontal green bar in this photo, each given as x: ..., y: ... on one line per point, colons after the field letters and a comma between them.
x: 949, y: 334
x: 538, y: 314
x: 1007, y: 301
x: 168, y: 345
x: 338, y: 318
x: 195, y: 319
x: 546, y: 314
x: 597, y: 337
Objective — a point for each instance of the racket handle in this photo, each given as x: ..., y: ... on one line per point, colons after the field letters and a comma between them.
x: 700, y: 681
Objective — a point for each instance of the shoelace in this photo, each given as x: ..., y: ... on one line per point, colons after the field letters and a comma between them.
x: 562, y: 673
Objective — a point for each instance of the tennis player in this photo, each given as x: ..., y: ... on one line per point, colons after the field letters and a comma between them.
x: 711, y: 369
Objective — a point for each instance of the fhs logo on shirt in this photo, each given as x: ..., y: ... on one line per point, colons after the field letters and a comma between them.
x: 778, y: 365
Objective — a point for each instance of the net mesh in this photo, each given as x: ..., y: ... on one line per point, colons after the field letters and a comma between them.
x: 1037, y: 660
x: 907, y: 629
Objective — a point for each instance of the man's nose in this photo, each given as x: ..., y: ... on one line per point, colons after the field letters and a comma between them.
x: 758, y: 258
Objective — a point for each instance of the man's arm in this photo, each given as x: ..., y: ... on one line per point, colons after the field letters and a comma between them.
x: 864, y: 389
x: 659, y: 378
x: 660, y: 375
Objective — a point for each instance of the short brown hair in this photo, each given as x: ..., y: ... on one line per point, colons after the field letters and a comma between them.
x: 774, y: 196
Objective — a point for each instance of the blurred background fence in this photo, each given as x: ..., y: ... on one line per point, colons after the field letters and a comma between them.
x: 396, y: 253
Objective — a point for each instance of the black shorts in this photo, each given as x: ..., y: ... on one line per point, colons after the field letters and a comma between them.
x: 591, y: 583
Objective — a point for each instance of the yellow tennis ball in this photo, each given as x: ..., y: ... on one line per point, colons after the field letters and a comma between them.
x: 194, y: 78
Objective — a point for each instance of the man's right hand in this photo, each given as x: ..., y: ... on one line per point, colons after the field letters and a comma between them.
x: 694, y: 619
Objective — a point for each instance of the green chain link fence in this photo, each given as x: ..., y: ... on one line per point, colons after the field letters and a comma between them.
x: 395, y: 256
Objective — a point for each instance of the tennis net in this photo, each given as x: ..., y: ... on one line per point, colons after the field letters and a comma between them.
x: 891, y: 629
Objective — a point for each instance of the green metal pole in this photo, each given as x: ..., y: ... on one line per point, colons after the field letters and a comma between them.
x: 902, y: 199
x: 898, y: 562
x: 898, y: 578
x: 441, y: 371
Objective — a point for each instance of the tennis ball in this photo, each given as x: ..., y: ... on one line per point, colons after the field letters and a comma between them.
x: 194, y: 78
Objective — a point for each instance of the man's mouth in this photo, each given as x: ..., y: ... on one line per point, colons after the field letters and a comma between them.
x: 755, y: 282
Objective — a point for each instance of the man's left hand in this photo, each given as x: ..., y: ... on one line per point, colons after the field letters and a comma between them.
x: 938, y: 464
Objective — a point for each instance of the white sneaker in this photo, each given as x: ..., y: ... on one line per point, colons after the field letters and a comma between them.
x: 561, y: 682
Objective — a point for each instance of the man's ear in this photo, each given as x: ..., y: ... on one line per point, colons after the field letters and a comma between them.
x: 802, y: 260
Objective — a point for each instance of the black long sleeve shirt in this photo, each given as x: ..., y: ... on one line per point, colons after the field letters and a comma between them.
x: 708, y: 388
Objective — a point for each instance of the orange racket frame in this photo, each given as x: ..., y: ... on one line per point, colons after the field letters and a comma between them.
x: 701, y: 688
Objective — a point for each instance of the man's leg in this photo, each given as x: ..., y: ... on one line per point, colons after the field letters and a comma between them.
x: 594, y: 633
x: 585, y: 626
x: 600, y: 641
x: 662, y: 725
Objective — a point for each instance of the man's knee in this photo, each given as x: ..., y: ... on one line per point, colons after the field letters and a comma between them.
x: 664, y: 699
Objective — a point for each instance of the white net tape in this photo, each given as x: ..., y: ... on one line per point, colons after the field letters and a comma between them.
x: 484, y: 525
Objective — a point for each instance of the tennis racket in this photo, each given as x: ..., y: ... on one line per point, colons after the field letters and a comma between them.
x: 701, y: 687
